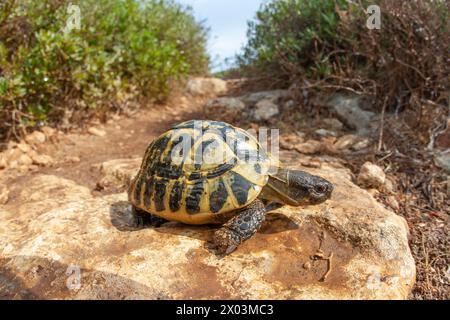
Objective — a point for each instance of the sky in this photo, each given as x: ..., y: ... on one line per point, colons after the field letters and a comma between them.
x: 228, y: 22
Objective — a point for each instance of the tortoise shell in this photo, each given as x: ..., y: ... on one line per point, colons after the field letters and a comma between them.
x: 199, y: 171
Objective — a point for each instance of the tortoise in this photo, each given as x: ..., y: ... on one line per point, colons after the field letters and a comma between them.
x: 210, y: 172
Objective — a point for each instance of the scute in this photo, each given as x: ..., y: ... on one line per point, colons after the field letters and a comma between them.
x: 198, y: 170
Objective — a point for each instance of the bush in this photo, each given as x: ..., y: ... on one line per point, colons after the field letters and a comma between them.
x: 125, y: 49
x: 326, y: 44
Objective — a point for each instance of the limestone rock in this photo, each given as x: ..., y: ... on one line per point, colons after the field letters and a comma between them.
x: 290, y: 141
x: 3, y: 162
x: 4, y: 193
x: 353, y: 142
x: 42, y: 160
x: 25, y: 160
x: 349, y: 110
x: 35, y: 138
x: 72, y: 159
x: 264, y: 110
x: 442, y: 160
x: 289, y: 105
x: 333, y: 124
x: 443, y: 138
x: 96, y: 132
x: 371, y: 175
x: 325, y: 133
x: 309, y: 147
x: 224, y: 109
x: 206, y: 86
x: 119, y: 172
x: 272, y: 95
x: 61, y: 228
x: 25, y: 148
x: 48, y: 131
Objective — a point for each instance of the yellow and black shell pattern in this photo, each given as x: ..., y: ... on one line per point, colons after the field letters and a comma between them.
x: 198, y: 171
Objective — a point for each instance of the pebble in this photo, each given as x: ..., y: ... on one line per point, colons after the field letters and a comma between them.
x: 371, y: 176
x: 43, y: 160
x: 96, y: 132
x: 4, y: 195
x: 35, y: 138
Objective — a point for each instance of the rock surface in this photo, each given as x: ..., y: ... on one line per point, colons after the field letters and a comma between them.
x: 371, y: 176
x: 264, y: 110
x: 118, y: 172
x: 224, y: 109
x: 442, y: 160
x: 96, y: 132
x: 206, y: 86
x: 349, y: 111
x: 272, y: 95
x: 55, y: 230
x: 35, y: 138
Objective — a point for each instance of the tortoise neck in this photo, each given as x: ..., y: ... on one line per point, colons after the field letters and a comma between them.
x: 276, y: 189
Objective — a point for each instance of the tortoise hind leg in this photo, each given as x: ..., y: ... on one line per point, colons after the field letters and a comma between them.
x: 144, y: 219
x: 240, y: 228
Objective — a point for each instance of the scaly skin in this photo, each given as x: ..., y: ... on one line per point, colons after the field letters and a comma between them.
x: 240, y: 228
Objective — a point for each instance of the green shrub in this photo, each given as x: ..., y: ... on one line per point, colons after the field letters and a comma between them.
x: 326, y: 44
x: 124, y: 50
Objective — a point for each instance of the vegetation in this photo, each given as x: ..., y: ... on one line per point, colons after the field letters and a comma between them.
x: 326, y: 44
x: 124, y: 50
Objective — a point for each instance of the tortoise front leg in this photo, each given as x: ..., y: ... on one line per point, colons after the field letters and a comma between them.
x: 240, y: 228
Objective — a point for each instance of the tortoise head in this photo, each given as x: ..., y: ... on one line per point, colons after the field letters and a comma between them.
x: 296, y: 188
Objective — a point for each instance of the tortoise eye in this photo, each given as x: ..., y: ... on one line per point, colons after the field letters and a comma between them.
x: 321, y: 188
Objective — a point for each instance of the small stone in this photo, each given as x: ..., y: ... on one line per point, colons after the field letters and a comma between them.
x: 333, y: 124
x: 3, y: 163
x: 35, y: 138
x: 345, y: 142
x: 11, y: 145
x: 274, y: 96
x: 288, y: 142
x: 393, y: 203
x: 373, y: 192
x: 227, y: 109
x: 264, y: 110
x: 288, y: 105
x: 309, y: 147
x: 206, y: 86
x: 49, y: 132
x: 33, y: 168
x: 371, y: 176
x: 4, y: 195
x: 25, y: 160
x: 443, y: 139
x: 360, y: 145
x: 42, y: 160
x: 311, y: 163
x: 24, y: 147
x: 389, y: 186
x: 23, y: 169
x: 12, y: 155
x: 96, y: 132
x: 325, y: 133
x: 349, y: 110
x: 307, y: 265
x: 442, y: 160
x: 73, y: 159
